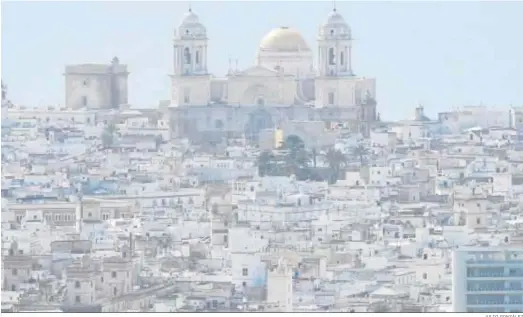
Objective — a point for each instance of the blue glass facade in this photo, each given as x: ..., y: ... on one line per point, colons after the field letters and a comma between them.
x: 494, y: 285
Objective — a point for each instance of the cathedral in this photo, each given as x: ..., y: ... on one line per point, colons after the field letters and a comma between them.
x: 284, y: 85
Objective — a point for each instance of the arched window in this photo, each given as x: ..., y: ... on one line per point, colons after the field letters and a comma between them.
x: 332, y: 57
x: 342, y: 59
x: 187, y: 55
x: 260, y: 101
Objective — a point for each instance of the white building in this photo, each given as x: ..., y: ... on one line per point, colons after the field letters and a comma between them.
x: 487, y: 279
x: 285, y: 84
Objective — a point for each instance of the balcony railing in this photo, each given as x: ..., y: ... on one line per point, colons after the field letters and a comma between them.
x: 498, y: 262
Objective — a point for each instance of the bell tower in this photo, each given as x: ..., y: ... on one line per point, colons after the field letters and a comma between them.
x: 335, y: 47
x: 190, y: 47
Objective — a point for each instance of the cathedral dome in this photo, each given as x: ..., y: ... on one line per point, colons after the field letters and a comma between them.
x: 191, y: 27
x: 190, y: 18
x: 335, y: 18
x: 284, y: 39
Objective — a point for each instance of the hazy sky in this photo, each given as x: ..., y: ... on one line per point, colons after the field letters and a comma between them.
x: 438, y: 53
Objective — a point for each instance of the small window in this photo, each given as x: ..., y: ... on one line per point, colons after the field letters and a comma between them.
x: 15, y: 272
x: 424, y: 276
x: 84, y: 101
x: 245, y: 271
x: 77, y: 299
x: 186, y: 95
x: 478, y: 220
x: 85, y: 83
x: 332, y: 57
x: 331, y: 98
x: 113, y: 274
x: 115, y: 291
x: 77, y: 284
x: 90, y: 214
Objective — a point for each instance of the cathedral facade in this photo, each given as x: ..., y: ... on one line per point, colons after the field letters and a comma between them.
x: 285, y: 84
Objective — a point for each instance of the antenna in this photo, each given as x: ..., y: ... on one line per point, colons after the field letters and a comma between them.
x: 334, y: 5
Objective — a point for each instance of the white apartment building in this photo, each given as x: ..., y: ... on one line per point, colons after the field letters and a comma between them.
x: 487, y: 279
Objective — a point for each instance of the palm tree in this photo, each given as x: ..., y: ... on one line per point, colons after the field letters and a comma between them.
x: 361, y: 151
x: 314, y: 155
x: 293, y: 143
x: 108, y: 136
x: 264, y: 162
x: 336, y: 160
x: 297, y: 158
x: 158, y: 140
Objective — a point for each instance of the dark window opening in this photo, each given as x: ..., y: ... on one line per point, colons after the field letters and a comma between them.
x: 187, y: 55
x: 332, y: 57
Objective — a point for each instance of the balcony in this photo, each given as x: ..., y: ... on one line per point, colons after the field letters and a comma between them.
x: 489, y: 262
x: 495, y: 291
x: 494, y: 303
x: 499, y: 273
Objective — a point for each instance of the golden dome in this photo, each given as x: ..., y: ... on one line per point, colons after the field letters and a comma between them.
x: 283, y: 39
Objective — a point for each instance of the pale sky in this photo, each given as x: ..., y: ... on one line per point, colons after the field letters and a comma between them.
x: 438, y: 53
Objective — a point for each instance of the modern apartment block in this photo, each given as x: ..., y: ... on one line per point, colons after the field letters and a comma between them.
x: 487, y: 279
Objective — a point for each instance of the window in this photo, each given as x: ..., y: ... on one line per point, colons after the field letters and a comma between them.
x: 90, y: 214
x: 85, y: 83
x: 15, y: 272
x: 332, y: 57
x: 331, y: 98
x: 77, y: 299
x: 245, y: 271
x: 115, y: 291
x: 187, y: 55
x: 341, y: 58
x: 424, y: 276
x: 186, y: 95
x: 113, y: 274
x: 478, y: 220
x: 84, y: 101
x: 77, y: 284
x: 197, y: 57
